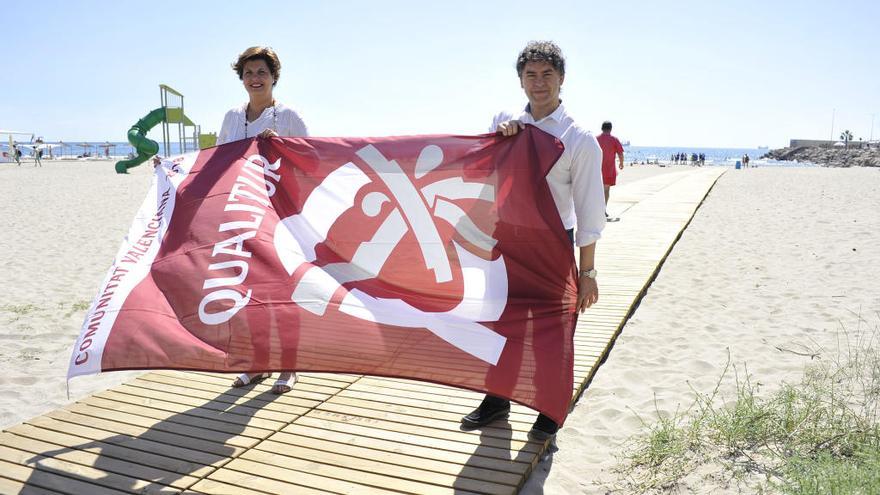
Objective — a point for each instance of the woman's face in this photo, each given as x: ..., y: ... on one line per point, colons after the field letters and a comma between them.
x: 257, y: 78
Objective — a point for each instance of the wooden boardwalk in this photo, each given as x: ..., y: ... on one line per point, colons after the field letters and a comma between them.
x: 174, y: 432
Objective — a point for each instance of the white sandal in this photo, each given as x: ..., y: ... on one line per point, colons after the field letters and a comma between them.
x: 284, y: 383
x: 246, y: 379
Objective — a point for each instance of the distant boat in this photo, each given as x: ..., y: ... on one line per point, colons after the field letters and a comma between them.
x: 626, y: 143
x: 763, y: 147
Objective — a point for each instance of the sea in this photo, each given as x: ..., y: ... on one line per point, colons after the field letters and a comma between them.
x: 632, y: 154
x: 714, y: 156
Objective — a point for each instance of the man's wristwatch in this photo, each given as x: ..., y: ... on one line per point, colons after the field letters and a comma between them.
x: 588, y: 273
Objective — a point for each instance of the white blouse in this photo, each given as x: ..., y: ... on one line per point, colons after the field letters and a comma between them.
x: 285, y: 121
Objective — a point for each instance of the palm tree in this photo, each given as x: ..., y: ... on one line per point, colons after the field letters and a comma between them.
x: 847, y: 137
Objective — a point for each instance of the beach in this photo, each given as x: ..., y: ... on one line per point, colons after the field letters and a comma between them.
x: 776, y: 261
x: 775, y: 266
x: 63, y: 223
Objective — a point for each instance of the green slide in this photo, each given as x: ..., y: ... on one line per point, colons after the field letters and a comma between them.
x: 146, y: 148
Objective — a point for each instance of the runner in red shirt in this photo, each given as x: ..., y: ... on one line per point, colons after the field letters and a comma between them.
x: 610, y: 147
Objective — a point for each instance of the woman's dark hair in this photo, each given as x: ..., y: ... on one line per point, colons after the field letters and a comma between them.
x: 263, y: 53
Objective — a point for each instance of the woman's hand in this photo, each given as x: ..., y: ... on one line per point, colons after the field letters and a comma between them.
x: 268, y: 133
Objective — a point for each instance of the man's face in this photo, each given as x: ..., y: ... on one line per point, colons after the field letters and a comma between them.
x: 541, y: 83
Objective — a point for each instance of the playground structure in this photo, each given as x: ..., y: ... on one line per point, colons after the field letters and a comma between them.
x: 189, y: 135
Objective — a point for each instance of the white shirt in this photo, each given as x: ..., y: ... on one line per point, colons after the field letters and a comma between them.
x: 576, y: 178
x: 283, y: 120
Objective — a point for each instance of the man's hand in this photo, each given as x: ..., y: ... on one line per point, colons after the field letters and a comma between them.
x: 510, y: 127
x: 588, y: 293
x: 267, y: 133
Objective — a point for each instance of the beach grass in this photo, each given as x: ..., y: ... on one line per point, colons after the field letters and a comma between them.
x: 818, y: 436
x: 78, y: 307
x: 20, y: 309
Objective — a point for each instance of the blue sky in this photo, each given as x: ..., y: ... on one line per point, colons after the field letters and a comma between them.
x: 677, y: 73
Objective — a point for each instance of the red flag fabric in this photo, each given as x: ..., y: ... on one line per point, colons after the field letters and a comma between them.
x: 437, y: 258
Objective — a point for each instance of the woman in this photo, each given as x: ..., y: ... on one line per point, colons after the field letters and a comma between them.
x: 258, y: 68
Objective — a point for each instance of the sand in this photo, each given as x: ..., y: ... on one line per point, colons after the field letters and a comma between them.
x: 62, y: 225
x: 774, y: 259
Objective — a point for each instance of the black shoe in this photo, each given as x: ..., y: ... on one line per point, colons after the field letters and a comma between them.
x: 543, y: 428
x: 490, y: 409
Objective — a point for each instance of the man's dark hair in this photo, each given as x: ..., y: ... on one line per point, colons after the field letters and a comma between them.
x: 541, y: 51
x: 606, y: 126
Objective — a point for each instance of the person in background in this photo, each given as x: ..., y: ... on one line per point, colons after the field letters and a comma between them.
x: 38, y: 152
x: 611, y: 149
x: 259, y: 68
x: 16, y: 154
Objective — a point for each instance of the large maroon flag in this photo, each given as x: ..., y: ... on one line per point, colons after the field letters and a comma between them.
x: 437, y: 258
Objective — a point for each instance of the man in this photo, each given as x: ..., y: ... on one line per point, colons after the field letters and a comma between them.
x: 611, y: 147
x: 575, y: 183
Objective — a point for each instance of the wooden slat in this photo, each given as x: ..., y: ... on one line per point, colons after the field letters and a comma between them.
x: 123, y: 467
x: 413, y: 456
x: 229, y: 416
x: 111, y: 450
x: 242, y: 406
x: 112, y: 424
x: 499, y: 457
x: 275, y: 479
x: 137, y: 443
x: 264, y: 401
x: 214, y: 487
x: 56, y: 474
x: 364, y: 479
x: 11, y: 486
x: 426, y: 427
x: 185, y: 432
x: 307, y: 385
x: 165, y: 415
x: 383, y: 471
